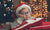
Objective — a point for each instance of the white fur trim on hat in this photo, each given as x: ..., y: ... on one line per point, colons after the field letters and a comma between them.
x: 23, y: 6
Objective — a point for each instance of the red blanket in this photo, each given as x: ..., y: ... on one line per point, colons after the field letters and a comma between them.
x: 29, y: 23
x: 44, y: 26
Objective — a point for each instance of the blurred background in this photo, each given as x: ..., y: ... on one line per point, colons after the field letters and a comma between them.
x: 40, y: 8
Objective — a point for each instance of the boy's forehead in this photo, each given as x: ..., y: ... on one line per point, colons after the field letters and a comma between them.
x: 25, y: 9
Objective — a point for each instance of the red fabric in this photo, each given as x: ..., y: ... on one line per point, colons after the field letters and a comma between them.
x: 19, y: 5
x: 46, y: 23
x: 34, y: 19
x: 44, y: 26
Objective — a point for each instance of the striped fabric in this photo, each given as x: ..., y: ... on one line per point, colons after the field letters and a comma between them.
x: 28, y: 23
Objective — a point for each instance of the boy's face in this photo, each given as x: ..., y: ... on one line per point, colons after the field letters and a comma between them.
x: 25, y: 13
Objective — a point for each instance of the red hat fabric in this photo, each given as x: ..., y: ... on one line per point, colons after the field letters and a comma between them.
x: 19, y: 5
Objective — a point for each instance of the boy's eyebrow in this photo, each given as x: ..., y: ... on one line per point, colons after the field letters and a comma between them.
x: 21, y: 10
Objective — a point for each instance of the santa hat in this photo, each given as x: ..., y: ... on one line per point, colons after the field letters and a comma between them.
x: 20, y: 6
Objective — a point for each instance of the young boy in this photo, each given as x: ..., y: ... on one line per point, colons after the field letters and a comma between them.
x: 23, y: 12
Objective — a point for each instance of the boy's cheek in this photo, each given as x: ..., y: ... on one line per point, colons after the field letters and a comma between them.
x: 24, y: 16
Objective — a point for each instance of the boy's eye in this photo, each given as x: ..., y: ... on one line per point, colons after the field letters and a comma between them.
x: 25, y: 13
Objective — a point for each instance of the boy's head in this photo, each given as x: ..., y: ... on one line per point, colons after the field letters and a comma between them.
x: 23, y: 11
